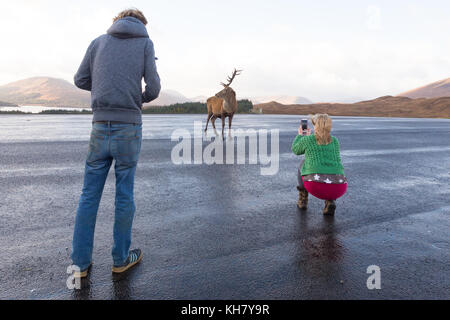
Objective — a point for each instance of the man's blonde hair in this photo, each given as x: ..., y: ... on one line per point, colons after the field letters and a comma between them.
x: 322, y: 128
x: 133, y: 12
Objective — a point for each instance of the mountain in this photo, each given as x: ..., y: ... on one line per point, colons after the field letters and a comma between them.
x: 53, y: 92
x: 387, y: 106
x: 199, y: 99
x: 7, y: 104
x: 46, y: 91
x: 168, y: 97
x: 436, y: 89
x: 281, y: 99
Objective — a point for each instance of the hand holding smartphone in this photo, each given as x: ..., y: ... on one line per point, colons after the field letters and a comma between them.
x: 303, y: 129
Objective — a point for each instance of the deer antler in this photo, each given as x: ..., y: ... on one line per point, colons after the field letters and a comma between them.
x: 230, y: 79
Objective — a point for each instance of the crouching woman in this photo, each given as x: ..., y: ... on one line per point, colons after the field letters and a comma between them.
x: 321, y: 172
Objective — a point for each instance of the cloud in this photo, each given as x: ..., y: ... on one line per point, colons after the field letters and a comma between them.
x: 287, y: 48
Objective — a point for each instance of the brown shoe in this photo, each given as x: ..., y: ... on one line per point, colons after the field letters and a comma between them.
x: 82, y: 274
x: 302, y: 203
x: 330, y: 207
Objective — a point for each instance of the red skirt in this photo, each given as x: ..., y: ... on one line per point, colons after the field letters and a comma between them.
x: 325, y: 191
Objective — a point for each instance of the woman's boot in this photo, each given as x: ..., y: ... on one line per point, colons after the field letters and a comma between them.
x: 330, y: 207
x: 302, y: 198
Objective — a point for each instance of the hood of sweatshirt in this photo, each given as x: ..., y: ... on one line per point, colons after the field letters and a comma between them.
x: 128, y: 27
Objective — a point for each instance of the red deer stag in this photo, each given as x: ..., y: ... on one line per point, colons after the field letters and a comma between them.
x: 223, y: 104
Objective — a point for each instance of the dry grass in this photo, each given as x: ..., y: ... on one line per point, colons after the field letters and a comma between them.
x: 387, y: 106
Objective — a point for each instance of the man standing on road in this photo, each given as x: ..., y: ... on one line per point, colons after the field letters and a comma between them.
x: 112, y: 70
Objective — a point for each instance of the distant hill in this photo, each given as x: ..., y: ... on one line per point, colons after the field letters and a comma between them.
x: 7, y: 104
x: 436, y: 89
x: 387, y: 106
x: 281, y: 99
x: 199, y: 99
x: 168, y: 97
x: 46, y: 91
x: 54, y: 92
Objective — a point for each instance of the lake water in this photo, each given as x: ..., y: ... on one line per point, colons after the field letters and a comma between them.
x: 40, y: 127
x: 37, y: 109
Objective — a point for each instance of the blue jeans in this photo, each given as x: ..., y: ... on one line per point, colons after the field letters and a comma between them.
x: 110, y: 141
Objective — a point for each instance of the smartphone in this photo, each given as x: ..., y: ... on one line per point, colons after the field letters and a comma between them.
x: 304, y: 125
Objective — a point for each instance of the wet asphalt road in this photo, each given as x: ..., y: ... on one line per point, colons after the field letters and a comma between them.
x: 226, y: 231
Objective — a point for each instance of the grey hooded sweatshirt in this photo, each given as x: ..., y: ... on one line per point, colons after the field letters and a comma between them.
x: 113, y: 68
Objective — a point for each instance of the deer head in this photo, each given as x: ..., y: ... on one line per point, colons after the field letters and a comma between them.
x: 227, y: 91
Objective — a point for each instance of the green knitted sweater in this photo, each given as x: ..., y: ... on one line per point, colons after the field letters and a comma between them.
x: 324, y: 159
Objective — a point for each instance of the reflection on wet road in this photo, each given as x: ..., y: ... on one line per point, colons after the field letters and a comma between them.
x: 225, y: 231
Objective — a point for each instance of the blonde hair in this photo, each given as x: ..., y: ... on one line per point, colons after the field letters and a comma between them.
x: 133, y: 12
x: 322, y: 128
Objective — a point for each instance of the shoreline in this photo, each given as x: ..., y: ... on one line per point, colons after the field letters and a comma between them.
x: 55, y: 112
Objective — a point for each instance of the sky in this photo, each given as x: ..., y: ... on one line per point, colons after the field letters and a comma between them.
x: 339, y: 51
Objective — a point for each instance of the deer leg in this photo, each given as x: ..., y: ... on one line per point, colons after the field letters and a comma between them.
x: 223, y: 124
x: 213, y: 122
x: 207, y: 121
x: 230, y: 118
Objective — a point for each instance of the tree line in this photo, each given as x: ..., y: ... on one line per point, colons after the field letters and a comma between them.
x: 244, y: 106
